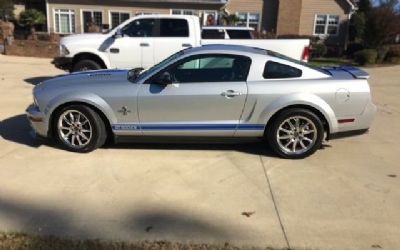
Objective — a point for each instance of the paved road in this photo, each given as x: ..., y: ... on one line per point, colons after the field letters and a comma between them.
x: 346, y: 196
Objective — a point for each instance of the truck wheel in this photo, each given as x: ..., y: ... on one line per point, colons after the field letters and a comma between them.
x: 295, y: 133
x: 79, y: 129
x: 85, y: 65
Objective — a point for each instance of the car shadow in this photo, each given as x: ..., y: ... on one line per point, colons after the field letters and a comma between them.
x: 36, y: 80
x: 17, y: 129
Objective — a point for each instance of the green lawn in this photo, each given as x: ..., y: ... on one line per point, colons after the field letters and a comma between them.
x: 331, y: 61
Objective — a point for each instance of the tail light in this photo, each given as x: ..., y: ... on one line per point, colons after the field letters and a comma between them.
x: 306, y: 54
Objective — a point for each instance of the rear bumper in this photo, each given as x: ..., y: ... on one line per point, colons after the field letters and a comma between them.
x: 37, y: 120
x: 64, y: 63
x: 360, y: 122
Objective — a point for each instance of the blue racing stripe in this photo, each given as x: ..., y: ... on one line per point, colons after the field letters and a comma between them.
x: 133, y: 127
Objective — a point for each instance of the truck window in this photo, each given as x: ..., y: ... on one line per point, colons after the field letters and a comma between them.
x: 170, y: 27
x: 239, y: 34
x: 140, y: 28
x: 213, y: 34
x: 274, y: 70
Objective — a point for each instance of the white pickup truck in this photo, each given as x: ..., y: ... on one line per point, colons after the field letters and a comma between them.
x: 145, y: 40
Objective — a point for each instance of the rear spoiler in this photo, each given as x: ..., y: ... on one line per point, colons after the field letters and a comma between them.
x: 355, y: 72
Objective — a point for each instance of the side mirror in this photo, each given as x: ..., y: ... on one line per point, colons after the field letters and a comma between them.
x: 164, y: 79
x: 118, y: 34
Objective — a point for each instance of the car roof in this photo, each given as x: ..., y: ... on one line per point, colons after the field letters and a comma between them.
x: 226, y: 48
x: 216, y: 27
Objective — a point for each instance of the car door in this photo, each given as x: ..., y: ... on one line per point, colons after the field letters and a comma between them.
x: 205, y: 97
x: 134, y: 49
x: 173, y: 36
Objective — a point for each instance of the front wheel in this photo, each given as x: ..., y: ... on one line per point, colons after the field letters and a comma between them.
x: 295, y: 133
x: 85, y: 65
x: 80, y: 129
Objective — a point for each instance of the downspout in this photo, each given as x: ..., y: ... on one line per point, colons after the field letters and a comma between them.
x: 346, y: 40
x: 48, y: 17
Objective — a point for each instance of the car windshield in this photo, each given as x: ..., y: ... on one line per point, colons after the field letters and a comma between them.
x: 144, y: 74
x: 280, y: 56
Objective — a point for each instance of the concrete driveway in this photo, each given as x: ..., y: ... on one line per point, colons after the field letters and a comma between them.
x: 346, y: 196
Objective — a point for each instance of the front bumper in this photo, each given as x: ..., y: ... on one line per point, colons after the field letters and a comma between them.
x: 37, y: 120
x: 64, y: 63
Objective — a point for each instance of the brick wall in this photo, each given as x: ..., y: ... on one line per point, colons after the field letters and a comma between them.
x: 289, y: 17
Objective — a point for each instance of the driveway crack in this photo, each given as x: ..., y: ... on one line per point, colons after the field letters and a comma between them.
x: 275, y: 205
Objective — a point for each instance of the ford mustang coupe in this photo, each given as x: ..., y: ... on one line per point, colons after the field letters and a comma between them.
x: 213, y: 92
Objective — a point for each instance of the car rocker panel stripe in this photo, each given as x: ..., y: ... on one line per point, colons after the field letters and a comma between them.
x: 134, y: 127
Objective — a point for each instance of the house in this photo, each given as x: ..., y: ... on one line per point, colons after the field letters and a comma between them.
x: 328, y: 19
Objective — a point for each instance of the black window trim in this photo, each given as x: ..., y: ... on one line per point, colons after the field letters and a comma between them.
x: 282, y: 78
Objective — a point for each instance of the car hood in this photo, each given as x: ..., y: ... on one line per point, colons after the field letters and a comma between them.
x: 86, y: 79
x: 85, y: 39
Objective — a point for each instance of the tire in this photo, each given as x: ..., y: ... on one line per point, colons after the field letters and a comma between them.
x: 85, y: 65
x: 295, y: 141
x: 85, y: 125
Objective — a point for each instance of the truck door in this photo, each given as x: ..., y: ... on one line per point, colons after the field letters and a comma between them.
x: 174, y: 35
x: 135, y: 44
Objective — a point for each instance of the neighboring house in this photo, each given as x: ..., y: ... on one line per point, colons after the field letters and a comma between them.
x: 328, y: 19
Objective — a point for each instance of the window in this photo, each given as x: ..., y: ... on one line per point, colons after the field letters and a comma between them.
x: 64, y: 21
x: 211, y: 68
x: 118, y: 17
x: 326, y: 25
x: 184, y: 12
x: 213, y: 34
x: 89, y: 17
x: 249, y: 19
x: 274, y: 70
x: 140, y: 28
x: 239, y: 34
x: 174, y: 27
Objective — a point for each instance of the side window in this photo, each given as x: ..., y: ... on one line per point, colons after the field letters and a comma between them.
x: 213, y: 34
x: 274, y: 70
x: 239, y: 34
x: 212, y: 68
x: 170, y: 27
x: 140, y: 28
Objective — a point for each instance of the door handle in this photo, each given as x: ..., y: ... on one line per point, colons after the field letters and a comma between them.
x: 144, y: 45
x: 186, y: 45
x: 231, y: 94
x: 114, y: 50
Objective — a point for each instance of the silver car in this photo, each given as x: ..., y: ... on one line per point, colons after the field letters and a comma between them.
x: 212, y: 92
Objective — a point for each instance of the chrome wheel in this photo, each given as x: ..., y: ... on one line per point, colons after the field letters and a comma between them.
x: 296, y: 135
x: 74, y: 129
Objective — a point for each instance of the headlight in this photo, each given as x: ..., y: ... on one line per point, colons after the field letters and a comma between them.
x: 63, y: 50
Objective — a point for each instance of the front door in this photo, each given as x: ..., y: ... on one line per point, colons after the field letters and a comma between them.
x: 135, y: 44
x: 206, y: 97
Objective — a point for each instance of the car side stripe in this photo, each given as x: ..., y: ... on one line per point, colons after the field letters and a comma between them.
x: 129, y: 127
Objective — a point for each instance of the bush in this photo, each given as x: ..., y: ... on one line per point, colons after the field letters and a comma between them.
x: 319, y: 50
x: 353, y: 48
x: 393, y: 55
x: 365, y: 57
x: 382, y: 52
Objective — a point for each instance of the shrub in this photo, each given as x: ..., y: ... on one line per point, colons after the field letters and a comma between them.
x: 393, y: 54
x: 382, y: 52
x: 365, y: 57
x: 353, y: 48
x: 319, y: 50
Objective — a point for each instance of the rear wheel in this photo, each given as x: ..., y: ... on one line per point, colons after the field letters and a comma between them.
x: 295, y: 133
x: 80, y: 129
x: 85, y: 65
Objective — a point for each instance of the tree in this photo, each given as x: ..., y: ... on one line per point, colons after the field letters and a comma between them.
x: 31, y: 18
x: 364, y: 6
x: 6, y: 10
x: 382, y: 26
x: 230, y: 19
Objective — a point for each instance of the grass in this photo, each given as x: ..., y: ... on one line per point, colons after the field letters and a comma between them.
x: 331, y: 61
x: 17, y: 241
